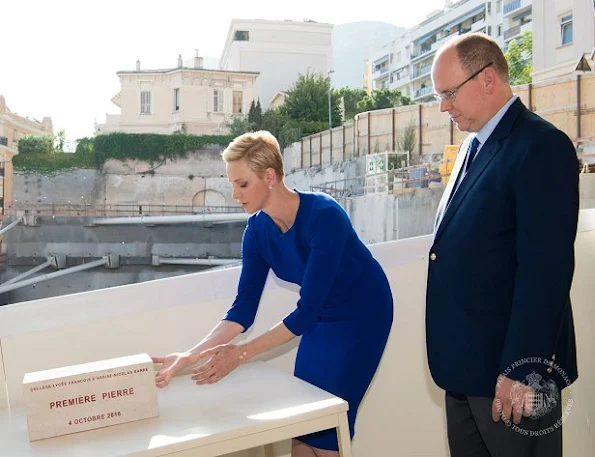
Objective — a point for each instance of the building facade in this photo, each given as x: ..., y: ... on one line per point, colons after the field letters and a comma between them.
x: 561, y: 39
x: 12, y: 128
x: 279, y: 51
x: 195, y: 100
x: 405, y: 63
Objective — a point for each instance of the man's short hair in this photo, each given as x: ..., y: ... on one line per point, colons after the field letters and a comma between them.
x: 476, y: 50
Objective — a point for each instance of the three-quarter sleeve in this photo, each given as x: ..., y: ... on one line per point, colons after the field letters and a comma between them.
x: 327, y: 239
x: 252, y: 279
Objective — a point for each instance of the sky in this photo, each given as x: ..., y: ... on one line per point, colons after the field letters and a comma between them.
x: 59, y: 58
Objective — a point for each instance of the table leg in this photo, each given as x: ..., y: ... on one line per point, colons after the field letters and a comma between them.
x: 343, y: 436
x: 268, y: 450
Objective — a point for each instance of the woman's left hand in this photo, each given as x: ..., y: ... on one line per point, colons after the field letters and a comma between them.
x: 221, y: 360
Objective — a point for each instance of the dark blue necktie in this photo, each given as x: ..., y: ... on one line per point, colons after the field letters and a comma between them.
x: 470, y: 156
x: 472, y: 152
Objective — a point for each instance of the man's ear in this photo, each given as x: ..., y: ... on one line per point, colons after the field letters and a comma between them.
x: 489, y: 80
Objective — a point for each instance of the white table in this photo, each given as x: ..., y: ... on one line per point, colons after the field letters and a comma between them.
x: 254, y: 406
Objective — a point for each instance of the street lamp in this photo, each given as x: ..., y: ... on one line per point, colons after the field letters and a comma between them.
x: 330, y: 113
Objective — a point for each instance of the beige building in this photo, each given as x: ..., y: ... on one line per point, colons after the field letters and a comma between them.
x: 279, y: 50
x: 563, y: 33
x: 195, y: 100
x: 12, y: 128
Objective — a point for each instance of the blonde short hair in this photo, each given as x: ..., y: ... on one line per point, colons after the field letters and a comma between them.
x: 260, y: 150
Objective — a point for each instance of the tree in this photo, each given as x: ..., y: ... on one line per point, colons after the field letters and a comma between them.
x: 238, y: 125
x: 60, y: 141
x: 36, y: 144
x: 381, y: 99
x: 307, y: 100
x: 351, y: 97
x: 520, y: 59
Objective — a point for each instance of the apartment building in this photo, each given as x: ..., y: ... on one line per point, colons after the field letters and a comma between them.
x: 194, y: 100
x: 405, y: 63
x: 560, y: 39
x: 279, y: 51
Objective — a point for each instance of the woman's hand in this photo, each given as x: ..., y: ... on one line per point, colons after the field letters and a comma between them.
x: 221, y: 360
x: 172, y: 363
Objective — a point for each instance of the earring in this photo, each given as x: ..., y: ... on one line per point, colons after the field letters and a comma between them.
x: 270, y: 187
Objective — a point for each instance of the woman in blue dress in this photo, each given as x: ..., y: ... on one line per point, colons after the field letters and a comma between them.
x: 345, y: 309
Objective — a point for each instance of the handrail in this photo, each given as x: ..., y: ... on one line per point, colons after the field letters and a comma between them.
x: 118, y: 209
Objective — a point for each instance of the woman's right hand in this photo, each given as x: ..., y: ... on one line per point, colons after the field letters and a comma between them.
x: 171, y: 364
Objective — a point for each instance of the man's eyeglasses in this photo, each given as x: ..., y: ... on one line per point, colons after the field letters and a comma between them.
x: 451, y: 95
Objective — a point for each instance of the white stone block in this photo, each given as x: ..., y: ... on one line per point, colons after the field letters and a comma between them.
x: 90, y: 395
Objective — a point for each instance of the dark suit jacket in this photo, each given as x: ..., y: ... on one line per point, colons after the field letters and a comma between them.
x: 502, y: 261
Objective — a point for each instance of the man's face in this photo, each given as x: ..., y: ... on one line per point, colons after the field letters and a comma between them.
x: 460, y: 96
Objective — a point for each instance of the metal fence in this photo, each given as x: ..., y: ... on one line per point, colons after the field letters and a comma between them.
x: 391, y: 182
x: 108, y: 210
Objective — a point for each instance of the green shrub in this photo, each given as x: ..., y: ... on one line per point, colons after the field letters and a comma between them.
x: 38, y: 154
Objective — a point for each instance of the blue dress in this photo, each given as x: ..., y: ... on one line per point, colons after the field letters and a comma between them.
x: 345, y: 309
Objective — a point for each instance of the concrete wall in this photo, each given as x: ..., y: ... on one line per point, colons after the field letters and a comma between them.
x: 80, y: 241
x: 180, y: 182
x: 376, y: 218
x: 376, y: 131
x: 587, y: 190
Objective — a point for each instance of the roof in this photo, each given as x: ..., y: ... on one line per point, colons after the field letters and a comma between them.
x: 172, y: 70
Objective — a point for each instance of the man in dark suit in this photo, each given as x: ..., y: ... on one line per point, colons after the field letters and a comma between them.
x: 499, y: 328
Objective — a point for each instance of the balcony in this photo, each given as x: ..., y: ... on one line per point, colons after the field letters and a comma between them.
x: 512, y: 32
x: 379, y: 71
x: 478, y: 26
x: 423, y: 92
x: 515, y: 7
x: 137, y: 318
x: 421, y: 71
x: 516, y: 31
x: 441, y: 41
x: 511, y: 6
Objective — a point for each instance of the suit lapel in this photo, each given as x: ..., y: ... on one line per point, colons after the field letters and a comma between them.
x: 486, y: 154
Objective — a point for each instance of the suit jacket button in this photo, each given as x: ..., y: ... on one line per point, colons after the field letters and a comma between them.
x: 553, y: 356
x: 549, y: 370
x: 433, y: 256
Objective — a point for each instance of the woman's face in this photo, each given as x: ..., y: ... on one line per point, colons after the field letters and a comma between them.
x: 249, y: 190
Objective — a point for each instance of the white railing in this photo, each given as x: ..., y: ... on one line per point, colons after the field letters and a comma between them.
x: 402, y: 414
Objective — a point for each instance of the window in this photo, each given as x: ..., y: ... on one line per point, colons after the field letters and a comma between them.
x: 498, y: 6
x: 237, y: 101
x: 499, y: 30
x: 217, y: 100
x: 399, y: 56
x: 241, y: 35
x: 489, y: 8
x: 489, y: 31
x: 15, y: 136
x: 176, y: 99
x: 145, y: 102
x: 566, y: 29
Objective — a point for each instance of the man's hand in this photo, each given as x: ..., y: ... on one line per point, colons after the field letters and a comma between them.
x: 512, y: 399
